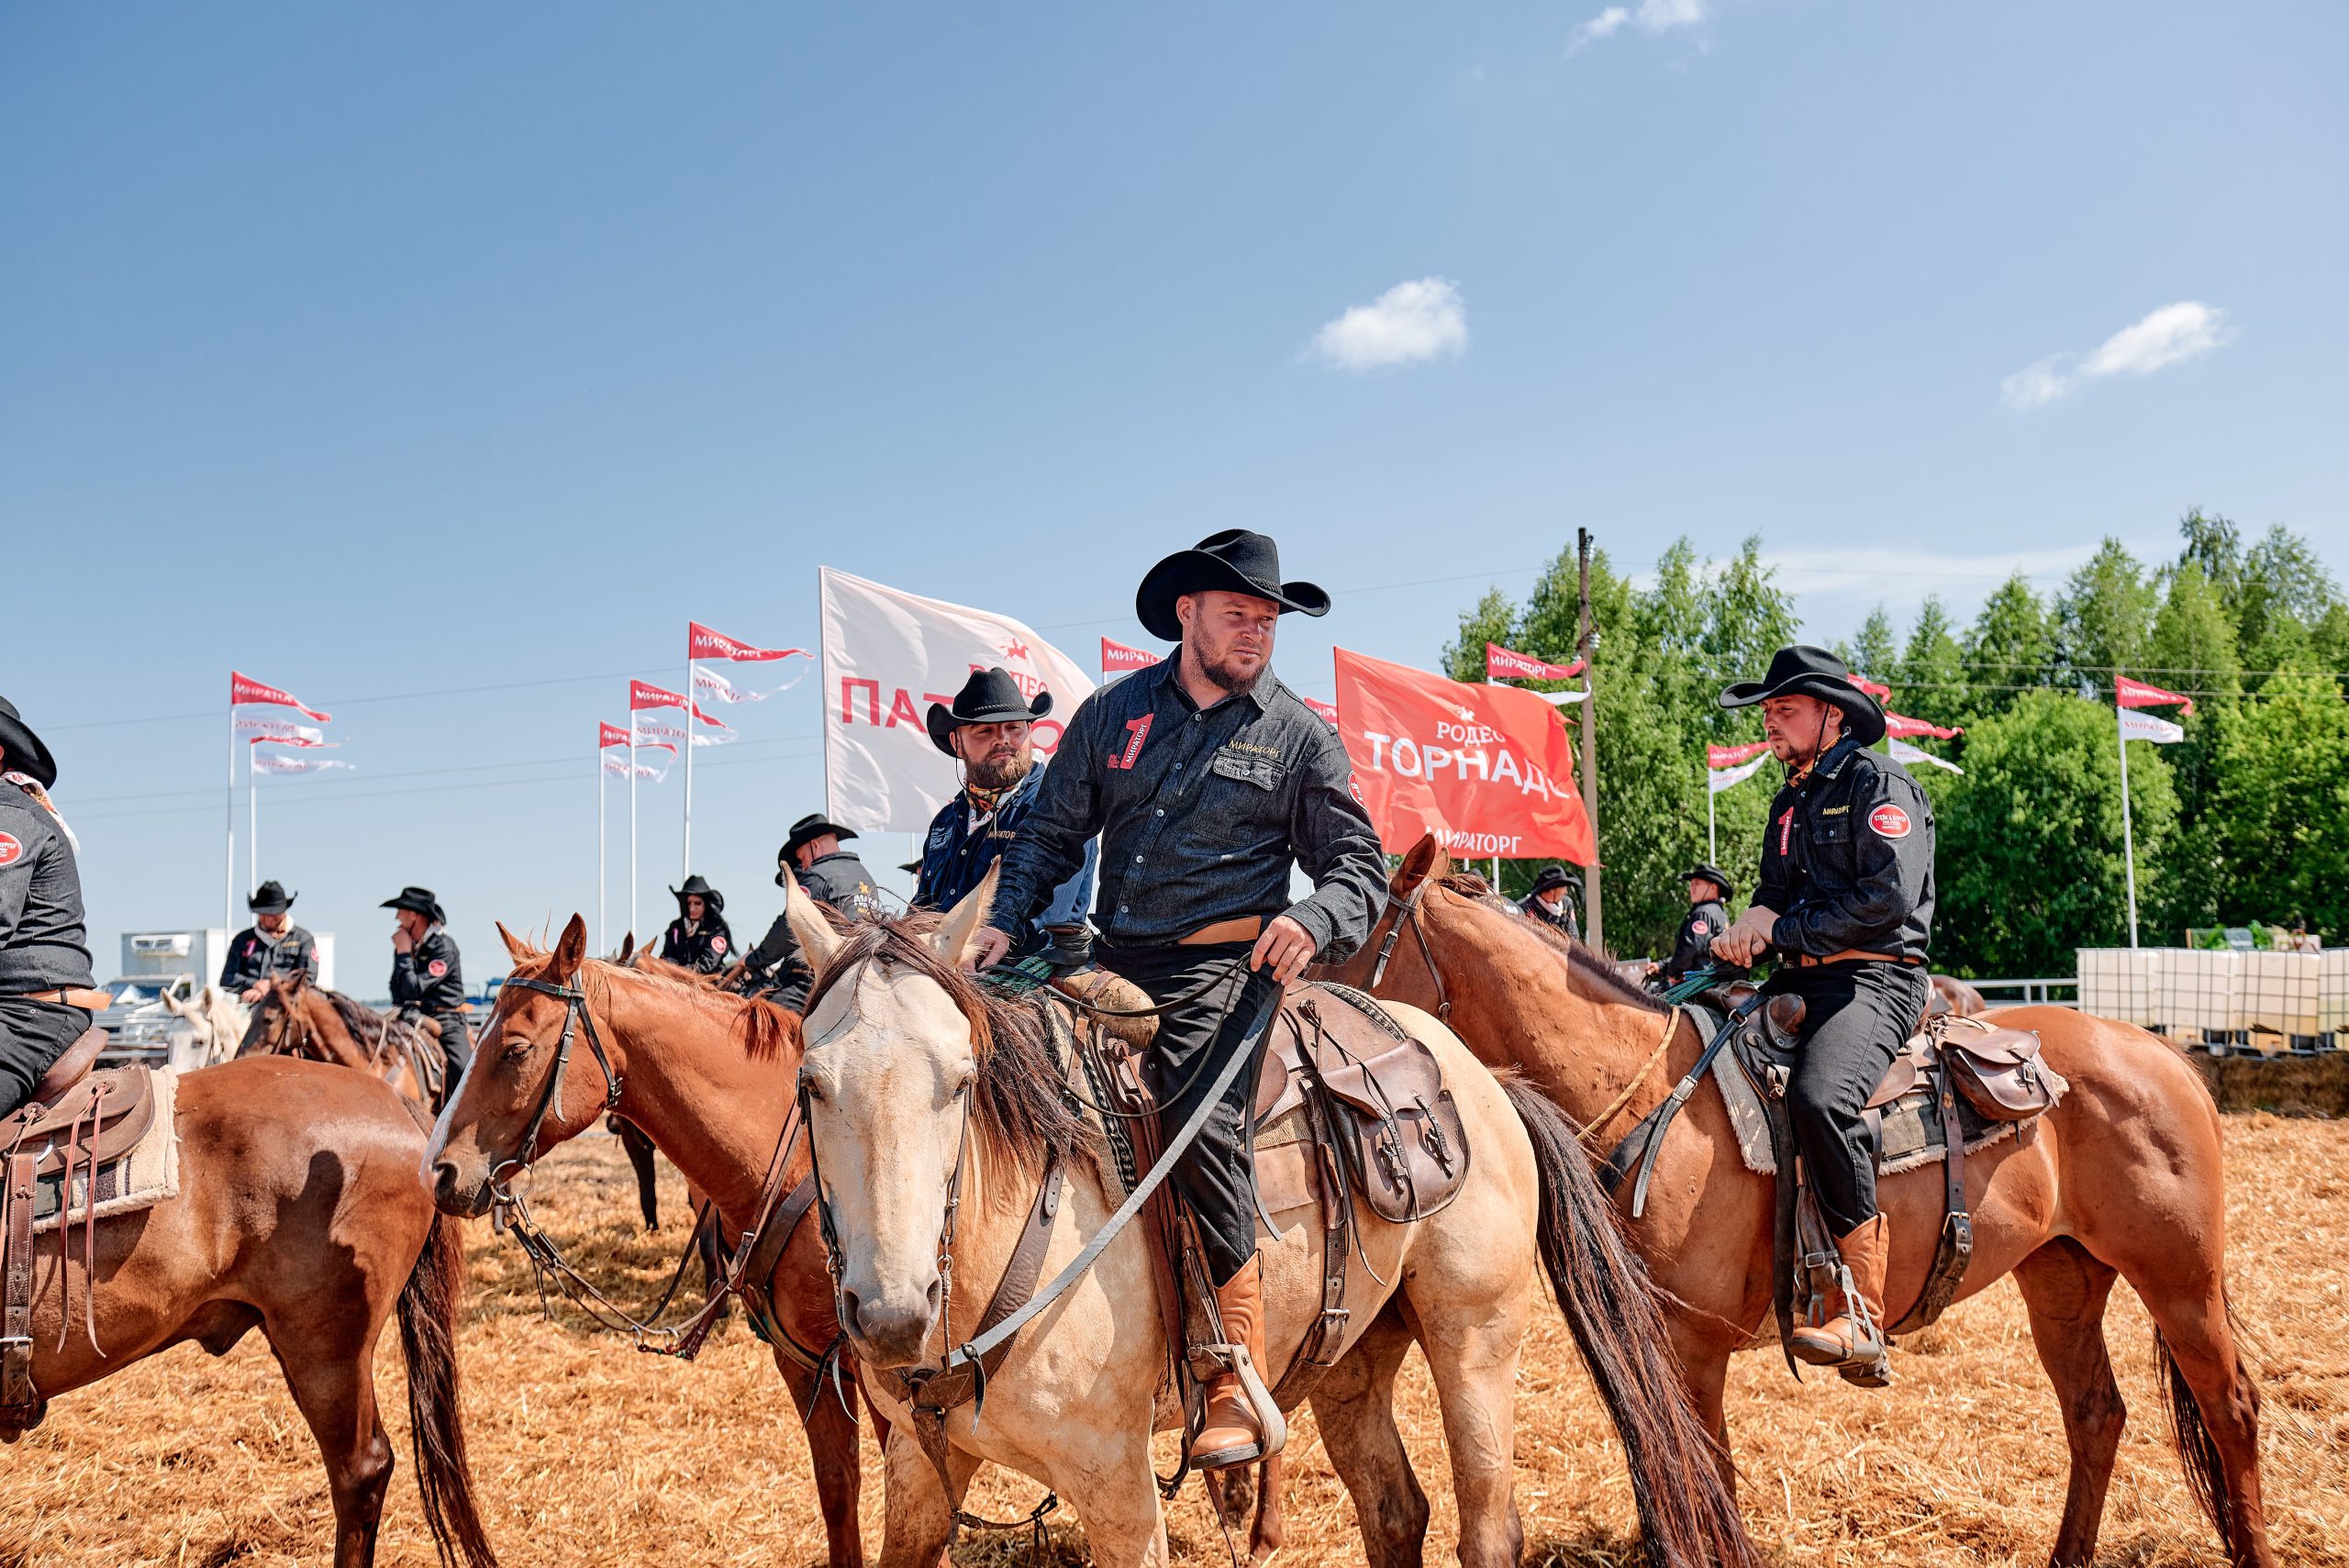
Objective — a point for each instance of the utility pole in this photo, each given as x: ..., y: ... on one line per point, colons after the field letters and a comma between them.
x: 1586, y: 645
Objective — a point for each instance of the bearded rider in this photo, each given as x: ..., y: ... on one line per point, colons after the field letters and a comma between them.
x: 1845, y: 897
x: 272, y: 945
x: 1207, y: 779
x: 988, y: 729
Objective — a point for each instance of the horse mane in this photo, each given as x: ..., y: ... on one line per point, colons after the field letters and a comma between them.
x: 1020, y: 1109
x: 1595, y: 966
x: 367, y: 1025
x: 763, y: 1029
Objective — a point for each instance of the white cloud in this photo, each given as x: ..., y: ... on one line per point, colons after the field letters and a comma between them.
x: 2169, y: 336
x: 1649, y: 16
x: 1419, y: 320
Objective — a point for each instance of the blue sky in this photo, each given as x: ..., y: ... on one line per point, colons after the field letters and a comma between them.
x: 439, y: 362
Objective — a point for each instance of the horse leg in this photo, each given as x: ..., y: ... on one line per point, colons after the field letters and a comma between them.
x: 917, y: 1517
x: 1474, y: 1364
x: 831, y: 1429
x: 2065, y: 1289
x: 1704, y: 1367
x: 2214, y: 1403
x: 1354, y: 1409
x: 1124, y: 1526
x: 337, y: 1396
x: 648, y: 1180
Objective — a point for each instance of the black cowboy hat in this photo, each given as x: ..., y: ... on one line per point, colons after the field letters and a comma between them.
x: 24, y: 753
x: 911, y: 868
x: 1712, y: 873
x: 711, y: 898
x: 1806, y: 671
x: 1235, y: 561
x: 421, y: 901
x: 271, y: 898
x: 1551, y: 876
x: 989, y: 696
x: 815, y: 825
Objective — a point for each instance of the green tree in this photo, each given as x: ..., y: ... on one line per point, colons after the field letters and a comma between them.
x: 2283, y: 580
x: 1875, y: 652
x: 2029, y: 856
x: 2215, y: 545
x: 2279, y: 805
x: 2192, y: 650
x: 2010, y: 647
x: 1493, y: 620
x: 1932, y: 678
x: 2105, y: 614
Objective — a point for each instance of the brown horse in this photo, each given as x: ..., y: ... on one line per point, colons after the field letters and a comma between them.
x: 709, y: 1076
x: 295, y: 1018
x: 2123, y: 1179
x: 300, y: 1212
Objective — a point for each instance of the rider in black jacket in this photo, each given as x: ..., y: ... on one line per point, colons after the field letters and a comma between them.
x: 1708, y: 892
x: 829, y: 874
x: 46, y: 992
x: 427, y: 977
x: 698, y: 937
x: 270, y: 946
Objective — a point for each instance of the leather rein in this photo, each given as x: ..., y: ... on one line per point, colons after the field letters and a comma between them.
x: 1409, y: 916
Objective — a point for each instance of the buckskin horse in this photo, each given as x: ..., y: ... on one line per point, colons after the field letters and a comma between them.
x: 710, y: 1078
x: 299, y: 1213
x: 2122, y: 1179
x: 295, y: 1018
x: 939, y: 1117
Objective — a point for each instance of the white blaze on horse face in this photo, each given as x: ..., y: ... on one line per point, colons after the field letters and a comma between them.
x: 889, y: 1065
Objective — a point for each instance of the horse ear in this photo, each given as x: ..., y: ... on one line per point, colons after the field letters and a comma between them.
x: 628, y: 946
x: 1425, y: 859
x: 176, y: 1008
x: 517, y: 949
x: 293, y: 982
x: 962, y: 923
x: 817, y: 940
x: 571, y: 952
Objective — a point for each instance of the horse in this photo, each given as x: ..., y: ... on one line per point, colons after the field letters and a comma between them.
x: 296, y: 1018
x: 299, y: 1213
x: 709, y: 1076
x: 1953, y: 996
x: 219, y: 1017
x: 935, y: 1111
x: 2122, y: 1179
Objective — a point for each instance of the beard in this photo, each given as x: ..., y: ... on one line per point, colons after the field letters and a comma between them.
x: 1001, y: 770
x: 1223, y: 674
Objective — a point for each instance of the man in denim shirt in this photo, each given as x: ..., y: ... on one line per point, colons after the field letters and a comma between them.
x: 1207, y: 779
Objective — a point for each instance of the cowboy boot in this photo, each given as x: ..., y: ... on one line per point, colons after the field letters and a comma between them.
x: 1228, y: 1435
x: 1852, y: 1338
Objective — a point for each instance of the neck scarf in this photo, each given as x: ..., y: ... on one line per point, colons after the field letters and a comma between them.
x: 31, y: 786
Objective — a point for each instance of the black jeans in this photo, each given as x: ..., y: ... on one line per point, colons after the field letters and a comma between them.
x: 1860, y: 1014
x: 1213, y: 1178
x: 33, y: 1035
x: 456, y: 1047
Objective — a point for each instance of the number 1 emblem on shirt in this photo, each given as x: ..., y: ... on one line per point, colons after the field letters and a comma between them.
x: 1137, y: 730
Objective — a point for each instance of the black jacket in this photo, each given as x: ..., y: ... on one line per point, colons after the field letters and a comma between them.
x: 1693, y: 948
x: 1532, y: 909
x: 709, y: 947
x: 1847, y: 858
x: 429, y: 979
x: 43, y: 945
x: 256, y: 955
x: 775, y: 967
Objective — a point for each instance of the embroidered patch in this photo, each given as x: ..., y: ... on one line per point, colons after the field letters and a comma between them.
x: 1137, y: 731
x: 12, y: 849
x: 1889, y: 821
x: 1786, y: 829
x: 1834, y: 810
x: 718, y: 944
x: 1698, y: 927
x: 436, y: 968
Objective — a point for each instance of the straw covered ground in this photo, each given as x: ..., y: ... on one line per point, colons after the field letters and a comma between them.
x: 589, y: 1453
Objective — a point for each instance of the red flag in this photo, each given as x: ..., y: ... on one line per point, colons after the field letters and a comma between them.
x: 244, y: 689
x: 1328, y: 711
x: 1502, y: 665
x: 610, y: 735
x: 1881, y: 693
x: 2127, y: 692
x: 1901, y: 725
x: 642, y: 695
x: 1487, y: 768
x: 702, y: 643
x: 1116, y: 657
x: 1730, y: 756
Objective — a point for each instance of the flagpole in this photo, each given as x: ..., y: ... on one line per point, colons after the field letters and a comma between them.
x: 603, y: 928
x: 1712, y: 833
x: 688, y: 868
x: 2128, y: 837
x: 631, y: 815
x: 252, y: 821
x: 229, y: 867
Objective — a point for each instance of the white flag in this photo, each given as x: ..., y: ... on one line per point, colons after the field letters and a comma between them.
x: 1719, y: 779
x: 887, y: 656
x: 654, y: 727
x: 2138, y: 725
x: 710, y: 684
x: 269, y: 762
x: 280, y: 729
x: 1909, y: 756
x: 617, y: 767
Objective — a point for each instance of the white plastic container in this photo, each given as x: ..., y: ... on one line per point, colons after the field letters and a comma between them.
x: 2332, y: 990
x: 2196, y: 990
x: 2121, y: 983
x: 2279, y: 991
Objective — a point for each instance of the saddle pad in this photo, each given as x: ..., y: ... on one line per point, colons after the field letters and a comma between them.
x: 145, y: 1176
x: 1910, y: 1125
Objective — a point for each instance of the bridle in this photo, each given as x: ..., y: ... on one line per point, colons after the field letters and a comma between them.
x: 576, y: 1019
x: 1408, y: 915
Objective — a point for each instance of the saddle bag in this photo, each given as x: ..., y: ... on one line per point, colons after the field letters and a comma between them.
x: 1405, y: 1143
x: 1998, y: 1071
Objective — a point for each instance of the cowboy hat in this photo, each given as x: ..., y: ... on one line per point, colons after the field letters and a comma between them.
x: 815, y: 825
x: 1712, y: 873
x: 271, y: 898
x: 989, y: 696
x: 695, y: 886
x: 1806, y: 671
x: 1551, y: 876
x: 1235, y: 561
x: 24, y: 751
x: 420, y: 900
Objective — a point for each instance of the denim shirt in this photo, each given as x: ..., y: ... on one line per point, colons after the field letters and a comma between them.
x: 1201, y: 813
x: 955, y: 857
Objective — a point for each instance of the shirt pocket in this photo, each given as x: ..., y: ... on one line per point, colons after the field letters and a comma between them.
x: 1266, y: 773
x: 1244, y: 801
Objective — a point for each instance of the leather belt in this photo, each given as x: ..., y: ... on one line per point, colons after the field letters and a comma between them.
x: 1854, y: 956
x: 1239, y: 928
x: 68, y: 996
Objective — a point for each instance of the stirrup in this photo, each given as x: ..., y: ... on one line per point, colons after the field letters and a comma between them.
x: 1271, y: 1426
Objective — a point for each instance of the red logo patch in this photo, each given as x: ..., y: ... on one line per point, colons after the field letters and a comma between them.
x: 1698, y: 927
x: 436, y: 968
x: 11, y: 849
x: 718, y: 944
x: 1137, y: 731
x: 1889, y: 821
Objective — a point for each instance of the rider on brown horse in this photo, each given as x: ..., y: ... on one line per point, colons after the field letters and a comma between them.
x: 47, y: 993
x: 1206, y: 778
x: 1846, y: 897
x: 427, y: 978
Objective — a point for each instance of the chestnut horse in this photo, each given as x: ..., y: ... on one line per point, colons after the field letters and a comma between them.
x: 2123, y: 1179
x: 297, y: 1017
x: 300, y: 1214
x: 709, y: 1077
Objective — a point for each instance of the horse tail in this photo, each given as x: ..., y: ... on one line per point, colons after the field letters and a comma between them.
x: 2198, y: 1452
x: 1679, y: 1480
x: 444, y: 1479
